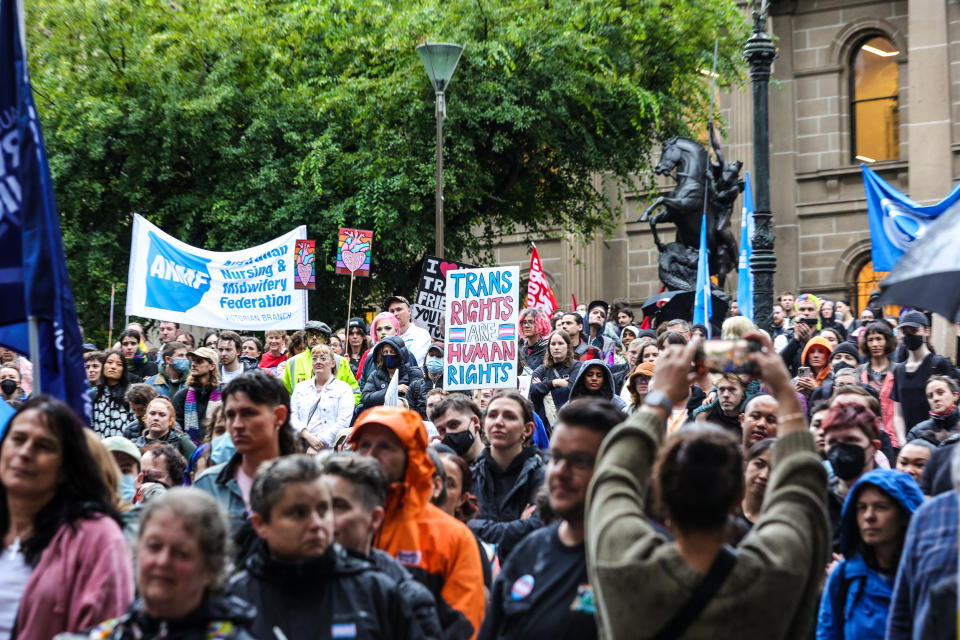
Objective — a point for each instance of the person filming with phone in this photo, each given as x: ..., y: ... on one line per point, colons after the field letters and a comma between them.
x: 806, y: 325
x: 697, y: 586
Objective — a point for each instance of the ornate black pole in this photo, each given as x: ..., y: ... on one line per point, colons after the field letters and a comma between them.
x: 760, y: 53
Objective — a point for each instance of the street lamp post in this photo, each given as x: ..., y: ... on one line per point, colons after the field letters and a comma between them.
x: 440, y: 60
x: 760, y: 53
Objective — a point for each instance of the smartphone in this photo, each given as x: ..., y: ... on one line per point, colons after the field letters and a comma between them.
x: 810, y: 322
x: 804, y: 372
x: 726, y: 356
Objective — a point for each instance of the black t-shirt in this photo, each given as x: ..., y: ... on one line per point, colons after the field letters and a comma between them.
x: 909, y: 389
x: 542, y: 592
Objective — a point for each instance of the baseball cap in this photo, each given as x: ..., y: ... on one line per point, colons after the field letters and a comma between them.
x: 914, y: 319
x: 319, y: 327
x: 122, y: 445
x: 389, y: 300
x: 598, y: 303
x: 206, y: 353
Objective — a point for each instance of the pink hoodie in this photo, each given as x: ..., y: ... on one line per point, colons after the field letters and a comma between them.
x: 84, y: 576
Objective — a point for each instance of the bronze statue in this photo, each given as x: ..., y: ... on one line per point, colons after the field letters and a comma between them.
x: 684, y: 208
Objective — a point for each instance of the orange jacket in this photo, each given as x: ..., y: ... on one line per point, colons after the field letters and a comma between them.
x: 438, y: 549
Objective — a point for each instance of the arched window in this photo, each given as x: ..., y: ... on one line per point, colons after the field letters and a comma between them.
x: 867, y: 282
x: 874, y: 101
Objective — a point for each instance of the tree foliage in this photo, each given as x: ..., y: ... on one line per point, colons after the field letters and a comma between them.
x: 227, y: 122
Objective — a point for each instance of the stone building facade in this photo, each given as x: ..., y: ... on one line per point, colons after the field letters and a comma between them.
x: 853, y: 78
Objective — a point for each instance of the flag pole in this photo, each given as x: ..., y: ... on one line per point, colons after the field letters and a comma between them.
x: 34, y: 338
x: 706, y: 192
x: 113, y: 291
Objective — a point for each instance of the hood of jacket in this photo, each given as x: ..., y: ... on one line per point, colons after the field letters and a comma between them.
x: 816, y: 341
x: 397, y: 343
x: 896, y: 484
x: 413, y: 492
x: 577, y: 387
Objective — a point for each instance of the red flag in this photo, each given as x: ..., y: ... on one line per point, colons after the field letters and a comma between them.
x: 539, y: 295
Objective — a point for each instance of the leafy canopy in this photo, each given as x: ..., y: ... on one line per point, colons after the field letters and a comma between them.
x: 227, y: 123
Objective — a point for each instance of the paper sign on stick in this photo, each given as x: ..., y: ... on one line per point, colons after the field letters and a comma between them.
x: 481, y: 328
x: 429, y: 306
x: 305, y: 255
x: 353, y: 252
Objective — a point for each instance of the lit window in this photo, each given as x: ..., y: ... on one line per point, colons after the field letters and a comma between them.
x: 868, y: 283
x: 874, y: 105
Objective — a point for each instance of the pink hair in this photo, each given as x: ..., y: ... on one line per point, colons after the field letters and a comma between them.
x: 385, y: 315
x: 541, y: 323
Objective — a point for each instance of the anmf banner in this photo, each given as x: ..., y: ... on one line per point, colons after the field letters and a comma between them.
x: 249, y: 289
x: 481, y: 328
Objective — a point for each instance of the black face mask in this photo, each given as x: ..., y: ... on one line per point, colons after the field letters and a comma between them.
x: 913, y: 342
x: 847, y: 460
x: 8, y: 386
x: 461, y: 441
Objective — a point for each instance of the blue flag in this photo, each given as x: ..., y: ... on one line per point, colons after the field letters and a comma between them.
x: 744, y: 275
x: 896, y: 220
x: 33, y: 271
x: 703, y: 304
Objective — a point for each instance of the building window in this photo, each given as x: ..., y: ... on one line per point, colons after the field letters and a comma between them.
x: 875, y: 102
x: 868, y: 282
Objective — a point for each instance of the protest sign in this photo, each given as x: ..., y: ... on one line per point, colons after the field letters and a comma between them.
x: 353, y: 252
x: 250, y: 289
x: 392, y: 399
x: 306, y: 254
x: 429, y: 306
x: 481, y: 328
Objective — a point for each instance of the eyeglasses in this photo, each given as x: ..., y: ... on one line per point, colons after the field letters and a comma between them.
x: 577, y: 461
x: 526, y: 322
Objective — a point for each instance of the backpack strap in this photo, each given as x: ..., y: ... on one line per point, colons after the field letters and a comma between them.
x: 702, y: 594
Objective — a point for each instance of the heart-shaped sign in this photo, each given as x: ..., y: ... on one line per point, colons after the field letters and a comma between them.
x: 448, y: 266
x: 304, y: 271
x: 353, y: 259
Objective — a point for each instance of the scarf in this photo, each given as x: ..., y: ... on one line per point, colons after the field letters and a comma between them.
x: 191, y: 418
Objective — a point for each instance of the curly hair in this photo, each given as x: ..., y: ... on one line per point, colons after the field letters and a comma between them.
x: 852, y: 414
x: 541, y: 323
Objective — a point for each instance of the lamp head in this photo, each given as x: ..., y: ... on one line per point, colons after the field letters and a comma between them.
x: 440, y: 60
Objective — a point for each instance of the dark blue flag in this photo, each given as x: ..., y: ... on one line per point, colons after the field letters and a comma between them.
x: 33, y: 271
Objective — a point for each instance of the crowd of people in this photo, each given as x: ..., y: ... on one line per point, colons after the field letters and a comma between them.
x: 233, y: 486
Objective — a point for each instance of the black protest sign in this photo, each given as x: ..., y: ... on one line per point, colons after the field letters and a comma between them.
x: 429, y: 306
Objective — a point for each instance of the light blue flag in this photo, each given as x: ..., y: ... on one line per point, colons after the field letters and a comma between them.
x: 703, y: 305
x: 896, y: 220
x: 744, y: 275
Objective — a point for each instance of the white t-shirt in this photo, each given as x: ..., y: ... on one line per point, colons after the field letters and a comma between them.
x: 14, y: 573
x: 227, y: 376
x: 417, y: 341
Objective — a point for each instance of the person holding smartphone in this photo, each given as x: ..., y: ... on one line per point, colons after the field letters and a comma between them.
x: 816, y: 365
x: 806, y: 325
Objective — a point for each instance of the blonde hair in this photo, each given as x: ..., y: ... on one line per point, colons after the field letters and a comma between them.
x: 736, y: 327
x: 325, y: 349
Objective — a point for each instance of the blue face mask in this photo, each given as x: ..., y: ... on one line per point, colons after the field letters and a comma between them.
x: 222, y: 449
x: 182, y: 365
x: 127, y: 489
x: 391, y: 361
x: 434, y: 364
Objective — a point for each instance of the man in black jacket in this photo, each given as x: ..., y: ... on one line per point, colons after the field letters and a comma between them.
x: 359, y: 490
x: 302, y: 584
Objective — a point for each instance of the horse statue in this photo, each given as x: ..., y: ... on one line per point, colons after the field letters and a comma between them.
x: 684, y: 208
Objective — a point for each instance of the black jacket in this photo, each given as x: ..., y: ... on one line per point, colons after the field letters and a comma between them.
x: 936, y: 429
x: 418, y: 598
x: 417, y: 393
x: 219, y: 616
x: 499, y: 519
x: 539, y: 390
x: 533, y: 354
x: 375, y: 390
x: 314, y: 599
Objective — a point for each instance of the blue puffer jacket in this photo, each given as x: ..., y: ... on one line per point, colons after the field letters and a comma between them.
x: 863, y: 614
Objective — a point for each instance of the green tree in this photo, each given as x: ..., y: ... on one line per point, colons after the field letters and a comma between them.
x: 228, y: 122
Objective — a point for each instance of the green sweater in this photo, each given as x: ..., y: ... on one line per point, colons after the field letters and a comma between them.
x: 640, y: 580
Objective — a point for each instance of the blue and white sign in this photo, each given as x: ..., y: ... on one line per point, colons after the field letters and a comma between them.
x: 249, y: 289
x: 896, y: 220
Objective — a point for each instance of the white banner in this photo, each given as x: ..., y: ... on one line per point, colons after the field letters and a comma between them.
x: 481, y: 328
x: 249, y: 289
